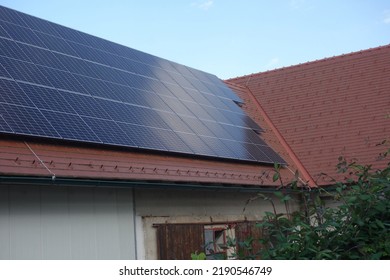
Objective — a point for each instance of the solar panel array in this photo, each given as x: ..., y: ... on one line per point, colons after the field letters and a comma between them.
x: 60, y: 83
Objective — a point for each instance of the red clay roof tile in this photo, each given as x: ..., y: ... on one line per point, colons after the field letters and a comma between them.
x: 333, y: 107
x: 20, y: 158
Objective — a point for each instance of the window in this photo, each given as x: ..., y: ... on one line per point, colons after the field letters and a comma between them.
x: 215, y: 242
x: 178, y: 241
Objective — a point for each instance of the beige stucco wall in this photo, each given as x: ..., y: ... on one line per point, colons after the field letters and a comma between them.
x: 192, y: 206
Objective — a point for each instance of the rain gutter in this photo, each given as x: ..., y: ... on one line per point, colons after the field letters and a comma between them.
x: 49, y: 181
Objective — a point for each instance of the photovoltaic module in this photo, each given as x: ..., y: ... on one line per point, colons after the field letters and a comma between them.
x: 56, y: 82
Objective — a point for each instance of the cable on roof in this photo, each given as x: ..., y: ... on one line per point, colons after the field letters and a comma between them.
x: 53, y: 177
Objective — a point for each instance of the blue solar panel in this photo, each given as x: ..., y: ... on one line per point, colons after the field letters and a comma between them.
x: 3, y: 72
x: 109, y: 132
x: 46, y: 98
x: 9, y: 48
x: 61, y: 83
x: 71, y: 127
x: 26, y: 120
x: 11, y: 93
x: 143, y: 137
x: 4, y: 126
x: 56, y: 44
x: 172, y: 141
x: 22, y: 34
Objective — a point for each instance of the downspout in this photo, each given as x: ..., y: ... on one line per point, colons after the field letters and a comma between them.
x: 302, y: 170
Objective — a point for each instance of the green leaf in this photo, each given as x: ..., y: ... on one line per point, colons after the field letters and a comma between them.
x: 276, y: 176
x: 380, y: 224
x: 365, y: 197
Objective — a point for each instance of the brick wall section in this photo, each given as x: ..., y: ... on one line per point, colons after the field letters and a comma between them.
x: 333, y: 107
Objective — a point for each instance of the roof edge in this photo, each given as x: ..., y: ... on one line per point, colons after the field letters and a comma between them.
x: 301, y: 168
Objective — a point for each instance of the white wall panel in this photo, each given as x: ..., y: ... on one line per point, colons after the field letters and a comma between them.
x: 66, y: 223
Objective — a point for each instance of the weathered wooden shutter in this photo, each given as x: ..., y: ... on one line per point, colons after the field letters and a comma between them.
x: 178, y: 241
x: 245, y: 230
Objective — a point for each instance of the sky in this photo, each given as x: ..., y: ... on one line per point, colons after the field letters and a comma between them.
x: 228, y: 38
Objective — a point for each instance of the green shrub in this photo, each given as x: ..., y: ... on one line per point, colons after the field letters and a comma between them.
x: 358, y: 227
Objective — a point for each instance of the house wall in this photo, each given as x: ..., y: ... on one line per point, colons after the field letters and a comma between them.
x: 66, y: 223
x: 193, y: 206
x: 57, y: 222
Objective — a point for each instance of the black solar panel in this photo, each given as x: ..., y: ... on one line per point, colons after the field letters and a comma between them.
x: 61, y: 83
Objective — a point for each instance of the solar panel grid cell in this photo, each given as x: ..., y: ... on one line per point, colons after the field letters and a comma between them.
x: 75, y: 65
x: 143, y: 137
x: 40, y: 25
x: 56, y: 44
x: 177, y: 106
x: 157, y: 103
x: 163, y: 76
x: 4, y: 127
x: 271, y: 154
x: 196, y: 144
x: 25, y: 71
x: 3, y: 72
x: 216, y: 115
x: 217, y: 129
x: 197, y: 126
x: 218, y: 147
x: 138, y: 97
x: 178, y: 92
x: 26, y: 120
x: 46, y: 98
x: 198, y: 97
x: 4, y: 33
x: 239, y: 149
x: 197, y: 110
x: 41, y: 56
x: 109, y: 132
x: 11, y: 93
x: 181, y: 80
x: 62, y: 80
x: 22, y: 34
x: 174, y: 122
x: 70, y: 126
x: 12, y: 16
x: 11, y: 49
x: 147, y: 117
x: 160, y: 88
x: 172, y: 141
x: 95, y: 87
x: 85, y: 105
x: 217, y: 101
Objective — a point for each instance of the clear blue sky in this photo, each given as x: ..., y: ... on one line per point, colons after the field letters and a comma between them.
x: 228, y: 38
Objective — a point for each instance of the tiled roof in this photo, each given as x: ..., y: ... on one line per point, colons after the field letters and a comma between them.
x: 32, y: 158
x: 338, y: 106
